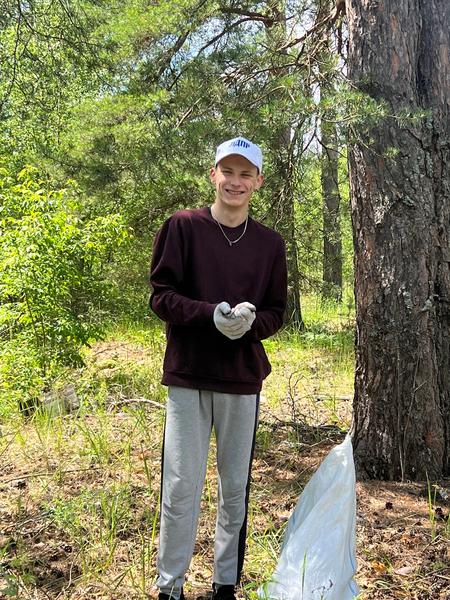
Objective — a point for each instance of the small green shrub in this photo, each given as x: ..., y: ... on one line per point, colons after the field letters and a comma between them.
x: 51, y: 278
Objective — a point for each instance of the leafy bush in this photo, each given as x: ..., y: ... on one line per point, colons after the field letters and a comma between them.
x: 51, y: 270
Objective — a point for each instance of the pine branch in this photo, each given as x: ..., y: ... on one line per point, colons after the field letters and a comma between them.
x: 336, y: 11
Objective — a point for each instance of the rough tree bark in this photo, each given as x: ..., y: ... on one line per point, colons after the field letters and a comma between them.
x: 399, y: 51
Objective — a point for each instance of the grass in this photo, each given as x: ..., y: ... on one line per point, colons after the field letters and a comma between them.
x: 312, y: 370
x: 80, y: 507
x: 79, y: 493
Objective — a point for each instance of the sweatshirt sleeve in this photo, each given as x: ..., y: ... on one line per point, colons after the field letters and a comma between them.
x: 270, y: 314
x: 167, y: 279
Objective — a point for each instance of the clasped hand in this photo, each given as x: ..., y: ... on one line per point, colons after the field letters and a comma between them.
x: 234, y: 322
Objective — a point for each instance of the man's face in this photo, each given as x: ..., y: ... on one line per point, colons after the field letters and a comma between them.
x: 235, y: 179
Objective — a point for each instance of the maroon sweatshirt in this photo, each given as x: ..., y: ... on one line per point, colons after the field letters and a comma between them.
x: 194, y: 269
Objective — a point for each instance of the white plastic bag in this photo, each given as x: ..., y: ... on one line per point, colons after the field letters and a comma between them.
x: 318, y: 555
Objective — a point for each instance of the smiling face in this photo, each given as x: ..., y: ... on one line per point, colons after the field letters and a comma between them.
x: 235, y: 179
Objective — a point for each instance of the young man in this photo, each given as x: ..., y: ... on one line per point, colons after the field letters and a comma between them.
x: 219, y: 283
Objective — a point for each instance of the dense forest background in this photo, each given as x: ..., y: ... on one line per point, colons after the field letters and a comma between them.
x: 110, y: 115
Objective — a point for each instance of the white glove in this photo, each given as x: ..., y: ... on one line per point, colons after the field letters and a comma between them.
x: 231, y: 323
x: 246, y: 311
x: 226, y: 322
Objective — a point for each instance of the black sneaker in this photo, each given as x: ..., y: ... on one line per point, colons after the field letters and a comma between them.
x: 223, y: 592
x: 207, y: 596
x: 163, y: 596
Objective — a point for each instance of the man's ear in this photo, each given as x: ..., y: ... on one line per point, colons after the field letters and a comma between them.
x: 259, y: 180
x: 212, y: 176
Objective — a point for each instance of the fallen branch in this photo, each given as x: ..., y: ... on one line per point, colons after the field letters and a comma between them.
x: 302, y: 426
x: 143, y: 400
x: 51, y: 474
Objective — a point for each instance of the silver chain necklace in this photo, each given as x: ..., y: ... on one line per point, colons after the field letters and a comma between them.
x: 230, y: 243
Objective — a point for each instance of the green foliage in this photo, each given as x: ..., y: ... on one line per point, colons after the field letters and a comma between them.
x: 185, y: 77
x: 131, y: 99
x: 48, y: 61
x: 21, y: 377
x: 51, y: 263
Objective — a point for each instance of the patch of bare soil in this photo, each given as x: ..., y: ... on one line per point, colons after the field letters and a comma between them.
x: 403, y: 540
x: 111, y: 356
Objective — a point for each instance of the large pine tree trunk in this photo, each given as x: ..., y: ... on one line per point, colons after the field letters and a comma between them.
x: 400, y: 52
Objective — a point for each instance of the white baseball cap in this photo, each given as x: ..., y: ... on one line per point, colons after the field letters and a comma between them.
x: 243, y: 147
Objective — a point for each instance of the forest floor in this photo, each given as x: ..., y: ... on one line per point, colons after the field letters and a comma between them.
x: 79, y: 503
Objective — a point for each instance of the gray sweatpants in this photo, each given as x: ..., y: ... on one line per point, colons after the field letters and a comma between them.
x: 190, y: 416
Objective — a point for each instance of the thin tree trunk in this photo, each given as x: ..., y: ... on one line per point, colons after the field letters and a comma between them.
x: 331, y: 199
x: 332, y: 237
x: 285, y: 222
x: 400, y: 52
